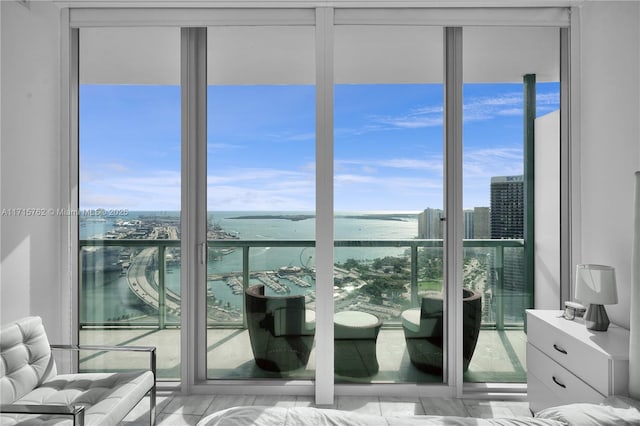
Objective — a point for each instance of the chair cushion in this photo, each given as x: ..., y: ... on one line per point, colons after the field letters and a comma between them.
x: 411, y: 319
x: 356, y: 325
x: 25, y: 358
x: 309, y: 321
x: 107, y: 397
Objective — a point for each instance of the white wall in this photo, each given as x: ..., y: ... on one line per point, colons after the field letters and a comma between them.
x: 610, y: 139
x: 30, y: 246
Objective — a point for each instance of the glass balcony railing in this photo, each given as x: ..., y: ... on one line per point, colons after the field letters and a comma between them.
x: 136, y: 283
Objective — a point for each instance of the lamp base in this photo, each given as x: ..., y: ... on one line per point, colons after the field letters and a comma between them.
x: 596, y: 318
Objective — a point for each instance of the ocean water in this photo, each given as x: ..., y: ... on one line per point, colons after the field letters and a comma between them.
x: 347, y: 225
x: 106, y: 295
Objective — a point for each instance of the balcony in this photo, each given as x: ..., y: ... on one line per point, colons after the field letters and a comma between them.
x: 133, y: 270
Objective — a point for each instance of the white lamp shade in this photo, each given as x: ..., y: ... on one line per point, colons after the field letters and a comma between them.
x: 596, y: 284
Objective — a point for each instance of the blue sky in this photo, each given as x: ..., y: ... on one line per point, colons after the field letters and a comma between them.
x: 261, y: 145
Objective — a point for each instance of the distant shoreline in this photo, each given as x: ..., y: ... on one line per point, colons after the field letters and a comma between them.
x: 292, y: 217
x: 299, y: 217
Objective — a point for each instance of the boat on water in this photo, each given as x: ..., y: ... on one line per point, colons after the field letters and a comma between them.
x: 273, y: 284
x: 288, y: 270
x: 235, y: 284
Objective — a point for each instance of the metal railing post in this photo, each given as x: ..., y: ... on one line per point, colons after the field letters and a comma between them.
x: 499, y: 265
x: 414, y: 275
x: 245, y: 282
x: 162, y: 293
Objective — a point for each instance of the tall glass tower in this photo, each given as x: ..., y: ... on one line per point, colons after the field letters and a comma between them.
x: 507, y: 222
x: 507, y: 207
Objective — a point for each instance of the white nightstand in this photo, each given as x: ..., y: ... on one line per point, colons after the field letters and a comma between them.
x: 566, y: 363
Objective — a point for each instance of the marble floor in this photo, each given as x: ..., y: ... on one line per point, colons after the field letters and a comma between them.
x: 175, y: 409
x: 499, y: 357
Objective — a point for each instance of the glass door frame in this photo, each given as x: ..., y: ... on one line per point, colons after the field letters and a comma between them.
x: 193, y: 352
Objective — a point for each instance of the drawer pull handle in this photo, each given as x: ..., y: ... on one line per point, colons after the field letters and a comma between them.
x: 559, y: 349
x: 558, y: 383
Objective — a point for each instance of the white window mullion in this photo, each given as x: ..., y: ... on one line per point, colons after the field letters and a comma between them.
x: 565, y: 168
x: 69, y: 159
x: 193, y: 207
x: 324, y: 206
x: 454, y: 228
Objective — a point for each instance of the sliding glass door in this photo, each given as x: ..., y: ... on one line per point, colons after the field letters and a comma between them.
x: 388, y: 192
x: 268, y: 94
x: 260, y: 202
x: 511, y: 79
x: 129, y: 196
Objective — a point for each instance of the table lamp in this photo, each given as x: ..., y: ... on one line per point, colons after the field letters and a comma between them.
x: 596, y: 286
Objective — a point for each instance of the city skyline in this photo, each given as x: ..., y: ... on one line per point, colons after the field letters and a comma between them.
x: 261, y: 146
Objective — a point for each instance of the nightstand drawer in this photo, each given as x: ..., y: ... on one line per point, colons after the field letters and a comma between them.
x: 549, y: 375
x: 566, y: 362
x: 583, y: 361
x: 540, y: 396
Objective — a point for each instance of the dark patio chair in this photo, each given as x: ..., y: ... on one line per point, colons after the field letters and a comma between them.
x: 424, y: 331
x: 281, y: 330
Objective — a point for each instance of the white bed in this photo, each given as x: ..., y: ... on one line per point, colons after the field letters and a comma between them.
x: 615, y: 411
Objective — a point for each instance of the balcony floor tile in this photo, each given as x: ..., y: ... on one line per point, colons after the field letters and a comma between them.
x: 499, y: 356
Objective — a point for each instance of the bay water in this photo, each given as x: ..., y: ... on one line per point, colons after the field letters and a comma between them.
x: 106, y: 295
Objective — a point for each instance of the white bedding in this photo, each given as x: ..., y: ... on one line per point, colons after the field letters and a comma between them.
x: 270, y: 416
x: 614, y: 412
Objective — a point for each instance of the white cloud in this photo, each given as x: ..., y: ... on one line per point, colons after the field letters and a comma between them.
x: 510, y: 112
x: 484, y: 163
x: 420, y: 117
x: 221, y: 146
x: 488, y: 107
x: 258, y: 175
x: 270, y: 196
x: 293, y: 137
x: 433, y: 164
x: 117, y: 167
x: 262, y: 189
x: 159, y: 190
x: 413, y: 121
x: 341, y: 179
x: 475, y: 108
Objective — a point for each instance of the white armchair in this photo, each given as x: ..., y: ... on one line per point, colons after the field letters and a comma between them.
x: 31, y: 390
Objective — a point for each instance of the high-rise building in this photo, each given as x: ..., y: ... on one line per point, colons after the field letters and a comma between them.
x: 481, y: 229
x: 469, y: 224
x: 507, y: 222
x: 507, y: 207
x: 476, y: 223
x: 429, y: 224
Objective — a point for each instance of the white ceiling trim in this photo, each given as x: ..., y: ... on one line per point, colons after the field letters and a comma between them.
x: 136, y: 17
x: 449, y: 17
x: 396, y: 15
x: 190, y: 17
x: 314, y: 3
